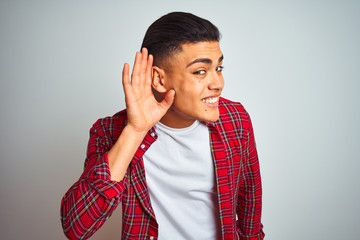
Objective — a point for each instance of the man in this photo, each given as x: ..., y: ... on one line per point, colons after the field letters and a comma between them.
x: 180, y: 159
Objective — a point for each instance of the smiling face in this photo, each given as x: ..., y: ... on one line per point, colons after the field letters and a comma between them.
x: 195, y: 73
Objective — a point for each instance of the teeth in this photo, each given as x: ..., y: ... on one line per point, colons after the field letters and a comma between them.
x: 210, y: 100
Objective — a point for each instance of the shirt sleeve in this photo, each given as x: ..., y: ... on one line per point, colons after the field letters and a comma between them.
x: 250, y: 194
x: 92, y: 199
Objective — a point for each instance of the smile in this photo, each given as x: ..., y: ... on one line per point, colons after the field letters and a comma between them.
x: 210, y: 100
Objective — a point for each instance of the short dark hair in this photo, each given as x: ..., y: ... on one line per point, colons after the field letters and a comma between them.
x: 165, y: 36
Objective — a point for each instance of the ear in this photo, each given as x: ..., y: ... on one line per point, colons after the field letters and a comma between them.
x: 158, y: 80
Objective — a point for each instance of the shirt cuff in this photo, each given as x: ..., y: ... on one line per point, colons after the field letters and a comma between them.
x: 259, y: 236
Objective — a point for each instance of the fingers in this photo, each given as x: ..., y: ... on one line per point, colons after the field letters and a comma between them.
x: 126, y: 80
x: 149, y: 70
x: 125, y: 74
x: 142, y: 68
x: 168, y: 100
x: 144, y: 60
x: 136, y: 69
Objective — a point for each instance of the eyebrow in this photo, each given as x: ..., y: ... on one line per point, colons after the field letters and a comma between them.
x: 204, y: 60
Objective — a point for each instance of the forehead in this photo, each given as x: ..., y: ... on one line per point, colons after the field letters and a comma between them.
x: 192, y: 51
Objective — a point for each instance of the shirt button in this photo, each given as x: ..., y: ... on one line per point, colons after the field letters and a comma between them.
x: 152, y: 134
x: 142, y: 146
x: 151, y: 238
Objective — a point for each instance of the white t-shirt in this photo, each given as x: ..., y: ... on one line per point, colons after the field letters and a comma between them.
x: 181, y: 181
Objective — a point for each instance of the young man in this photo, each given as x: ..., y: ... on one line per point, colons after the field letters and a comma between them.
x: 180, y: 159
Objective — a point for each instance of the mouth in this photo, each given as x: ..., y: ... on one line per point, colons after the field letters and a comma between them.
x: 211, y: 101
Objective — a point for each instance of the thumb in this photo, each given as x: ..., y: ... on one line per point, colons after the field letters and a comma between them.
x: 168, y: 100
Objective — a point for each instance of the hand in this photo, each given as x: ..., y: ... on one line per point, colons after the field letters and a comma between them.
x: 143, y: 110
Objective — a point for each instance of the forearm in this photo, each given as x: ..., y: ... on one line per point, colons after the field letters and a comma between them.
x: 121, y: 154
x: 249, y: 213
x: 250, y: 194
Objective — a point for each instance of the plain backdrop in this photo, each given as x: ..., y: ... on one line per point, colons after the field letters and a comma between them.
x: 294, y: 65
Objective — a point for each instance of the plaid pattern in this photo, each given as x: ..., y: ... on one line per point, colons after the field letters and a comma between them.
x: 93, y: 198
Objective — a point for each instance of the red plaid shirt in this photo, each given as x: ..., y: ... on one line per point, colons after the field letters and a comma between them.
x: 93, y: 198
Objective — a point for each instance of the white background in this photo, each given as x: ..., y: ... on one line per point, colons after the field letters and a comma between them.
x: 293, y: 64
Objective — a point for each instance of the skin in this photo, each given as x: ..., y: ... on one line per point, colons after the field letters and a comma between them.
x: 194, y: 75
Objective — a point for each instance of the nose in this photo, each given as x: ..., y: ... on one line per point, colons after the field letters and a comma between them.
x: 216, y: 81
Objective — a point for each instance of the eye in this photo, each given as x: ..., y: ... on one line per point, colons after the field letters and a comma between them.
x: 219, y: 68
x: 200, y: 72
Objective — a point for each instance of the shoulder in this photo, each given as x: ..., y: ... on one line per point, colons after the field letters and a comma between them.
x: 226, y: 105
x: 111, y: 125
x: 234, y: 113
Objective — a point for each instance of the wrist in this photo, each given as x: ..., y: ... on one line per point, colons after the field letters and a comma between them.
x: 121, y: 153
x: 133, y: 133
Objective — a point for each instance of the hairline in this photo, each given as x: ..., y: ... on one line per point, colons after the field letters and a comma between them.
x: 171, y: 54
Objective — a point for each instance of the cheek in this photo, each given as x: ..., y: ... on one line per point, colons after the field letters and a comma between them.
x: 187, y: 100
x: 184, y: 99
x: 187, y: 89
x: 191, y: 90
x: 188, y: 97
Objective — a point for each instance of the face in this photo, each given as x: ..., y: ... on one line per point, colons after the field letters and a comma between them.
x: 195, y: 73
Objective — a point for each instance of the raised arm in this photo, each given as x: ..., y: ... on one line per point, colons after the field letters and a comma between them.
x: 93, y: 198
x: 143, y: 110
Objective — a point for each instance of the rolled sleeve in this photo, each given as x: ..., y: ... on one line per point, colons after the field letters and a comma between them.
x: 99, y: 179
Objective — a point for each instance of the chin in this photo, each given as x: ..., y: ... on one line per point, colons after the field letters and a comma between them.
x: 211, y: 118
